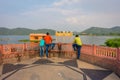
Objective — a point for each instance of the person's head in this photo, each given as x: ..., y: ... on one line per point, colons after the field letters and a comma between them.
x: 47, y: 33
x: 76, y: 35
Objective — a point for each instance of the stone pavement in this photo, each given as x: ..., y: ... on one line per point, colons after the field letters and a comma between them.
x: 54, y: 69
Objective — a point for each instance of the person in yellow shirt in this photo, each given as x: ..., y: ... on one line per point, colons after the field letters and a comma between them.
x: 77, y: 44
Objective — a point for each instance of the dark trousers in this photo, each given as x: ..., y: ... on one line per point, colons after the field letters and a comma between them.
x: 78, y: 49
x: 49, y: 46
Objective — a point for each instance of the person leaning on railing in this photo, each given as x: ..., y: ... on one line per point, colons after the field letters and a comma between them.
x: 77, y: 44
x: 48, y: 43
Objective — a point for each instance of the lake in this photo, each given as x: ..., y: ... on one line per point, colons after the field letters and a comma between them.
x: 97, y: 40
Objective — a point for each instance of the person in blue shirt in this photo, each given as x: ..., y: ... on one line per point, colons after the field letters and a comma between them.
x: 42, y: 44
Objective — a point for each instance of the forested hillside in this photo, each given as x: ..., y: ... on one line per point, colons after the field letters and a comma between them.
x: 24, y: 31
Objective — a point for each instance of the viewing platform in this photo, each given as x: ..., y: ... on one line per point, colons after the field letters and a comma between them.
x: 55, y: 69
x: 95, y: 63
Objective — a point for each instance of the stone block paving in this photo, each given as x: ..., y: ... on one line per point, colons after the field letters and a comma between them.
x: 54, y: 69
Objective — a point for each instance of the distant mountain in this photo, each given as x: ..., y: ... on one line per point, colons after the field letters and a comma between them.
x: 90, y: 31
x: 102, y: 31
x: 23, y: 31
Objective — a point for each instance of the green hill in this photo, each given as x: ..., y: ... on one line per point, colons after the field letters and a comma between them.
x: 90, y: 31
x: 23, y: 31
x: 102, y: 31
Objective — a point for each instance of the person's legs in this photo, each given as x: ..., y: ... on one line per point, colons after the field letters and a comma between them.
x: 47, y: 48
x: 74, y: 46
x: 41, y: 51
x: 78, y: 50
x: 52, y: 45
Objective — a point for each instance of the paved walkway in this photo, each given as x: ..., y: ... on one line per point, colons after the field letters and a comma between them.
x: 54, y: 69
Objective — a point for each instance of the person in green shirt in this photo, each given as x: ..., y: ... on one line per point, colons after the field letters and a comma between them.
x: 77, y: 44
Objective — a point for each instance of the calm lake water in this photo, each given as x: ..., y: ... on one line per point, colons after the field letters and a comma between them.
x: 97, y: 40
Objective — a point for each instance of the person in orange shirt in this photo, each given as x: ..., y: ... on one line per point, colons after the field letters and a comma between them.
x: 48, y: 43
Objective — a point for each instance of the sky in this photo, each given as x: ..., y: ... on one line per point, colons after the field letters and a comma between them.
x: 60, y: 15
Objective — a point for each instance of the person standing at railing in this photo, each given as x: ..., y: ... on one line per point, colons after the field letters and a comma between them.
x: 77, y: 44
x: 48, y: 43
x: 42, y: 44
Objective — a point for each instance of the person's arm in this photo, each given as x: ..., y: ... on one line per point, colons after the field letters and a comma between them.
x: 51, y: 38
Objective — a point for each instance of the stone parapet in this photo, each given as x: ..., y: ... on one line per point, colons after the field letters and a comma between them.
x: 103, y: 56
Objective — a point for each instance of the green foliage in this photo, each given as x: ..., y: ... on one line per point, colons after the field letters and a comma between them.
x: 113, y: 42
x: 24, y: 31
x: 24, y: 40
x: 36, y: 41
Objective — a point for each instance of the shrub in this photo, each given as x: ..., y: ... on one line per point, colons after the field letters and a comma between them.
x: 24, y: 40
x: 113, y: 42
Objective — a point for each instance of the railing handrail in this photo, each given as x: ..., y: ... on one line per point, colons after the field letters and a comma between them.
x: 100, y: 51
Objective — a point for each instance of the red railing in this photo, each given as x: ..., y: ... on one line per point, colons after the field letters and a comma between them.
x: 87, y: 49
x: 106, y: 52
x: 100, y: 51
x: 9, y: 50
x: 14, y: 50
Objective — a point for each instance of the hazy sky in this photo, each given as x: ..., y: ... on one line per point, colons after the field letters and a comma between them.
x: 73, y: 15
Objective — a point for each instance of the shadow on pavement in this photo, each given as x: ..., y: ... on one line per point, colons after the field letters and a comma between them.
x: 96, y: 74
x: 42, y: 61
x: 72, y: 63
x: 11, y: 67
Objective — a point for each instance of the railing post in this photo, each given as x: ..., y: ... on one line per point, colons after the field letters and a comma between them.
x: 1, y: 51
x: 1, y: 54
x: 59, y: 48
x: 24, y: 46
x: 118, y: 54
x: 94, y: 49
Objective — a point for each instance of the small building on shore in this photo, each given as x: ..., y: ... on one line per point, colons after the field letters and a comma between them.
x: 36, y: 36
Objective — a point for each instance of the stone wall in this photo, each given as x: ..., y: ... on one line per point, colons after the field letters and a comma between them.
x: 113, y: 65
